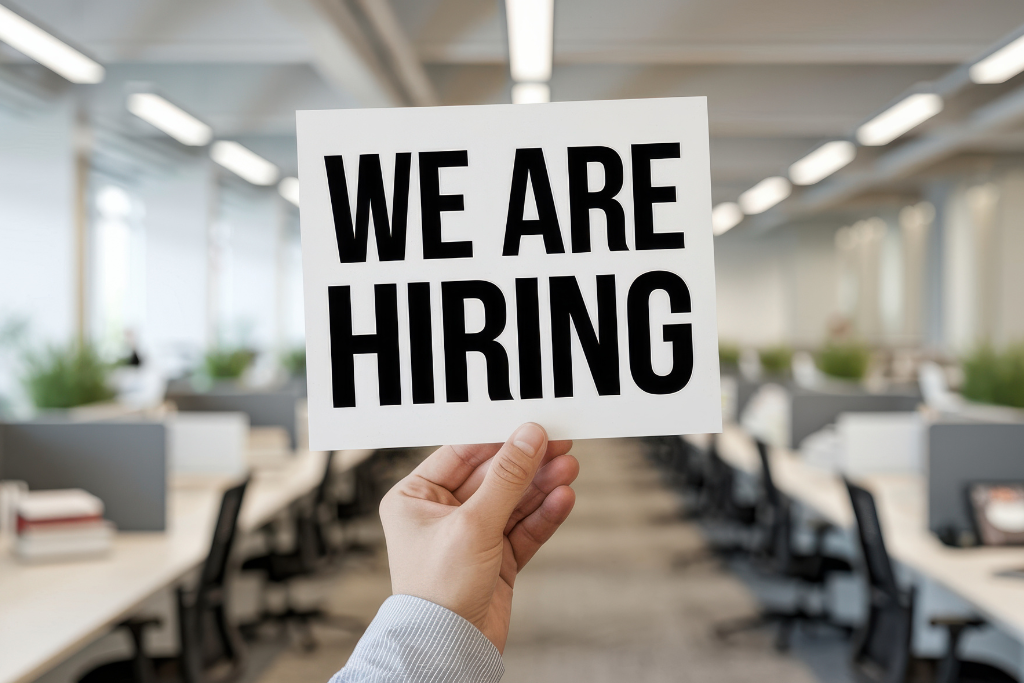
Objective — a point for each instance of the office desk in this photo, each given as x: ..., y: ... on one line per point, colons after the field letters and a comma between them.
x: 901, y: 501
x: 49, y: 611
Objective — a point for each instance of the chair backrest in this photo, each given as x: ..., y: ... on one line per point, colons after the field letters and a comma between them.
x: 216, y: 565
x: 877, y: 564
x: 881, y: 648
x: 775, y: 513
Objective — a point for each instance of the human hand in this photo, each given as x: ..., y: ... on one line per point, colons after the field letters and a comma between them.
x: 468, y: 519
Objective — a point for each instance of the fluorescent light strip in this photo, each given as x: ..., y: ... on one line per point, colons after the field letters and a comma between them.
x: 530, y: 38
x: 243, y: 162
x: 176, y: 122
x: 531, y: 93
x: 289, y: 189
x: 899, y: 118
x: 34, y: 42
x: 1001, y: 65
x: 822, y: 162
x: 725, y: 217
x: 765, y: 195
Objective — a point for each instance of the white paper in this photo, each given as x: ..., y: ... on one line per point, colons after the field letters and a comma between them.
x: 490, y: 137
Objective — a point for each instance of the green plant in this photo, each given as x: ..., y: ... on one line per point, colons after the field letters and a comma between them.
x: 844, y: 360
x: 227, y: 363
x: 68, y: 376
x: 294, y: 362
x: 995, y: 377
x: 728, y: 355
x: 775, y: 360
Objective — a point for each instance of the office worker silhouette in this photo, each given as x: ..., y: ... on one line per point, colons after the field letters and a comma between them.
x: 459, y: 529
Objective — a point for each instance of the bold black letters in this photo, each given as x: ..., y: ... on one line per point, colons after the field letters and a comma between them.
x: 645, y: 196
x: 433, y: 203
x: 458, y: 342
x: 345, y: 345
x: 638, y: 311
x: 529, y: 167
x: 601, y: 350
x: 531, y: 384
x: 582, y: 200
x: 370, y: 197
x: 421, y: 343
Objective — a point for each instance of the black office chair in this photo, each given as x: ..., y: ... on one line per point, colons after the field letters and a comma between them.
x: 777, y: 557
x: 310, y: 556
x: 208, y: 638
x: 881, y: 648
x: 731, y: 525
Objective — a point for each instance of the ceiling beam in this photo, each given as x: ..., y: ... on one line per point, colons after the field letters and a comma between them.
x: 342, y: 52
x: 901, y: 162
x: 586, y: 52
x: 401, y: 53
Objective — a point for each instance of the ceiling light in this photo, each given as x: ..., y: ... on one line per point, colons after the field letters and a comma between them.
x: 1001, y: 65
x: 822, y: 162
x: 289, y: 189
x: 899, y: 118
x: 765, y: 195
x: 725, y: 217
x: 179, y: 124
x: 531, y: 93
x: 530, y: 38
x: 34, y: 42
x: 245, y: 163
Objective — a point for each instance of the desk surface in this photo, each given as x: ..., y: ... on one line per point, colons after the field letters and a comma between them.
x: 48, y: 611
x: 902, y: 508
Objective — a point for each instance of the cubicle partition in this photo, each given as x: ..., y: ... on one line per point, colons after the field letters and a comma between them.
x: 264, y: 408
x: 124, y: 464
x: 812, y: 410
x: 963, y: 453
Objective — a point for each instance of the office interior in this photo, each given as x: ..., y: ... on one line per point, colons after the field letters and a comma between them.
x: 859, y: 518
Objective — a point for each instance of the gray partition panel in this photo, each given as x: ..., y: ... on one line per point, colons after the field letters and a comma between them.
x: 123, y: 464
x: 959, y: 454
x: 265, y: 409
x: 814, y: 410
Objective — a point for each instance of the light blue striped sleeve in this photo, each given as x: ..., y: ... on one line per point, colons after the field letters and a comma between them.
x: 414, y: 640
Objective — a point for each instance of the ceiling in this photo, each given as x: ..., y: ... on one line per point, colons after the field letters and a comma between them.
x: 781, y: 77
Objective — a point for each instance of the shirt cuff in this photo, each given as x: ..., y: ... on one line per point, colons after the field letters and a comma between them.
x: 412, y: 639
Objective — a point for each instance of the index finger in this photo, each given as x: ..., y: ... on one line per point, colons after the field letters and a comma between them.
x: 450, y: 466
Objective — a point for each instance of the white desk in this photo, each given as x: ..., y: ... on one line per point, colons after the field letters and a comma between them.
x: 902, y: 509
x: 49, y: 611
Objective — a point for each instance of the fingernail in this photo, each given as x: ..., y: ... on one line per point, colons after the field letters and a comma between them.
x: 529, y: 438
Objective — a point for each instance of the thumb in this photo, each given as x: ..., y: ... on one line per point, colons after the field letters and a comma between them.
x: 508, y: 476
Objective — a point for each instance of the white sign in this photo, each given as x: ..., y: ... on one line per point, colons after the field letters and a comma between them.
x: 468, y: 269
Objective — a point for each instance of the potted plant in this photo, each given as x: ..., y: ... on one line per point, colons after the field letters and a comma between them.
x: 67, y: 376
x: 846, y: 360
x: 995, y: 377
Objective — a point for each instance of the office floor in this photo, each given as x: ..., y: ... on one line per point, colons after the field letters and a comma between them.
x: 603, y: 601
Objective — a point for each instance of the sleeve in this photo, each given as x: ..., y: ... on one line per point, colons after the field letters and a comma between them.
x: 414, y: 640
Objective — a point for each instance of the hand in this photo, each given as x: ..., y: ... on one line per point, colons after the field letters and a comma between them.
x: 468, y: 519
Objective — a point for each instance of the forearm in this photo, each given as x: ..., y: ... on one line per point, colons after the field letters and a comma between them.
x: 412, y: 639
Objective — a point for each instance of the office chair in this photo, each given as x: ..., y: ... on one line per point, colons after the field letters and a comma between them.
x: 716, y: 503
x: 208, y: 639
x: 881, y: 648
x: 777, y: 557
x: 310, y: 557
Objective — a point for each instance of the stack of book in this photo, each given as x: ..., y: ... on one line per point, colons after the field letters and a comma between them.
x: 65, y: 523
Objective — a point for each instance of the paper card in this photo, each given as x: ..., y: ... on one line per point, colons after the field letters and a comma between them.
x: 468, y: 269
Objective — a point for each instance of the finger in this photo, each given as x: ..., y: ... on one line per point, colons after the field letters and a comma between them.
x: 534, y: 530
x: 472, y: 483
x: 561, y: 471
x: 449, y: 466
x: 508, y: 476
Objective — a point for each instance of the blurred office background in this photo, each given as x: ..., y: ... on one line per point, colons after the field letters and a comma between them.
x: 868, y: 190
